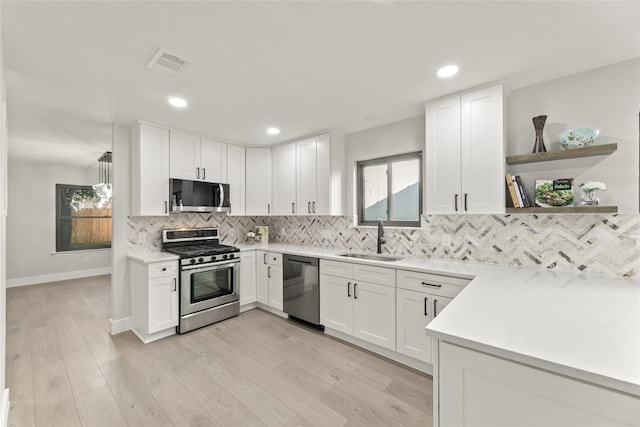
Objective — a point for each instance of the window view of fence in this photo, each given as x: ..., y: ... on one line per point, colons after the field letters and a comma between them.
x: 81, y: 221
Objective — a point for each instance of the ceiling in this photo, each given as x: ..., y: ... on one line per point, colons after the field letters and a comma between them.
x: 73, y: 68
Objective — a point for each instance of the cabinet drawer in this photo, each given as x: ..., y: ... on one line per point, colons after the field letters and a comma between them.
x: 274, y: 259
x: 162, y: 269
x: 379, y: 275
x: 336, y: 268
x: 431, y: 283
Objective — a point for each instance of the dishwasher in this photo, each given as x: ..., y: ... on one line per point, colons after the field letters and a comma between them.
x: 301, y: 289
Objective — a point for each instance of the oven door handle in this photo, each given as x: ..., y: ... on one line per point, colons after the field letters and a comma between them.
x: 217, y: 266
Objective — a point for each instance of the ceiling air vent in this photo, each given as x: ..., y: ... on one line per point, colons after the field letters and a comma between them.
x: 166, y: 62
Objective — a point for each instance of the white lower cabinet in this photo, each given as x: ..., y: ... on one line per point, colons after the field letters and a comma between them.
x: 269, y: 279
x: 247, y: 277
x: 478, y: 389
x: 420, y: 297
x: 363, y: 309
x: 154, y: 299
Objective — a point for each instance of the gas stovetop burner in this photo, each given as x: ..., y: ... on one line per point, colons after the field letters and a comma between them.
x: 197, y: 246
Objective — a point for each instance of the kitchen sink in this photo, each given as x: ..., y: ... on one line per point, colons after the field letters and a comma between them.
x: 374, y: 257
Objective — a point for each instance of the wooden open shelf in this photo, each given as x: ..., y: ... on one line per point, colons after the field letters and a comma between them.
x: 574, y: 153
x: 566, y: 209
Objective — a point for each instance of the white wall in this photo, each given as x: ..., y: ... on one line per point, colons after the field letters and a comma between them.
x: 3, y: 218
x: 607, y: 98
x: 120, y: 290
x: 405, y: 136
x: 31, y: 227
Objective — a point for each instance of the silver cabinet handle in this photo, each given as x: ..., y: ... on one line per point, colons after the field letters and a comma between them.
x: 455, y: 202
x: 465, y: 202
x: 308, y: 207
x: 348, y: 289
x: 269, y: 272
x: 434, y: 285
x: 174, y: 284
x: 268, y: 208
x: 293, y: 207
x: 166, y: 207
x: 435, y: 304
x: 204, y: 173
x: 425, y: 306
x: 314, y: 207
x: 355, y: 288
x: 265, y: 258
x: 164, y: 268
x: 197, y: 173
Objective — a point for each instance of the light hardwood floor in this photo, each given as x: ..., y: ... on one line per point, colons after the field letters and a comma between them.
x: 65, y: 369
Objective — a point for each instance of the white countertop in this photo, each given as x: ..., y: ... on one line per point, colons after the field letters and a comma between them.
x: 581, y: 325
x: 147, y: 257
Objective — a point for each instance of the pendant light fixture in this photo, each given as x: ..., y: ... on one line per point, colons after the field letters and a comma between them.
x: 103, y: 188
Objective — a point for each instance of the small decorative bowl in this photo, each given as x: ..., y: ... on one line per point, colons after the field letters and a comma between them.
x: 577, y: 138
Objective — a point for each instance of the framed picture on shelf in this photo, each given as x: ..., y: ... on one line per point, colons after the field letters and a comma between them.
x: 554, y: 192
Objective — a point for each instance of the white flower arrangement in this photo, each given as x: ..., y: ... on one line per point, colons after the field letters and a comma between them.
x: 593, y: 185
x: 251, y: 234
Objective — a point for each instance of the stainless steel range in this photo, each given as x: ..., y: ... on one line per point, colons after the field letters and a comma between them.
x: 208, y: 276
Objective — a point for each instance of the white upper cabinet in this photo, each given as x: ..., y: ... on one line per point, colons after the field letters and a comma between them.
x: 236, y: 178
x: 284, y: 180
x: 196, y: 158
x: 465, y: 153
x: 149, y: 170
x: 314, y: 175
x: 213, y: 161
x: 257, y: 181
x: 308, y: 176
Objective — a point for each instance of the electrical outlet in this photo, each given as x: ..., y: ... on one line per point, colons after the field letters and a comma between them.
x: 446, y: 240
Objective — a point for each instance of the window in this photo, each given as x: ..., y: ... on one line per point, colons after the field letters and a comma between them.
x: 80, y: 223
x: 390, y: 188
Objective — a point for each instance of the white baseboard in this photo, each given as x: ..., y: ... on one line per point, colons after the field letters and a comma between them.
x: 56, y: 277
x: 120, y: 325
x: 4, y: 408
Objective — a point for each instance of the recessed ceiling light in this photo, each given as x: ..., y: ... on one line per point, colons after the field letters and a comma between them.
x: 448, y: 71
x: 178, y: 102
x: 369, y: 117
x: 273, y: 131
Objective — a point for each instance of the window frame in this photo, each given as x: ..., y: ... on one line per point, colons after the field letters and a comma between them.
x: 388, y: 160
x: 59, y: 217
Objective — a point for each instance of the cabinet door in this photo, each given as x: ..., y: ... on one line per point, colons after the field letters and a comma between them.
x: 213, y: 161
x: 258, y: 181
x: 306, y: 171
x: 284, y: 180
x: 184, y: 156
x: 247, y: 277
x: 477, y: 389
x: 275, y: 286
x: 374, y: 314
x: 336, y: 303
x: 323, y: 176
x: 236, y: 178
x: 262, y: 278
x: 150, y: 170
x: 413, y: 313
x: 443, y: 182
x: 482, y: 151
x: 163, y: 303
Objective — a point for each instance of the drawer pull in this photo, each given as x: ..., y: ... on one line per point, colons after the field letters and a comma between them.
x: 164, y: 268
x: 174, y: 284
x: 425, y: 306
x: 434, y: 285
x: 355, y: 288
x: 348, y: 289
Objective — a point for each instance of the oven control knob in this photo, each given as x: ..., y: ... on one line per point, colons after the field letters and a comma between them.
x: 213, y: 258
x: 224, y: 257
x: 200, y: 259
x: 192, y: 261
x: 231, y: 256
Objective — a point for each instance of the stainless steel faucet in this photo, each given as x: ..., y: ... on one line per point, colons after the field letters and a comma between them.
x: 381, y: 240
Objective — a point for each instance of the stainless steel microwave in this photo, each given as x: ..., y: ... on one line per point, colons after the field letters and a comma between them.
x: 198, y: 196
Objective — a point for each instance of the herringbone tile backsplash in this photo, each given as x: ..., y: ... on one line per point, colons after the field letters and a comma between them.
x: 592, y: 243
